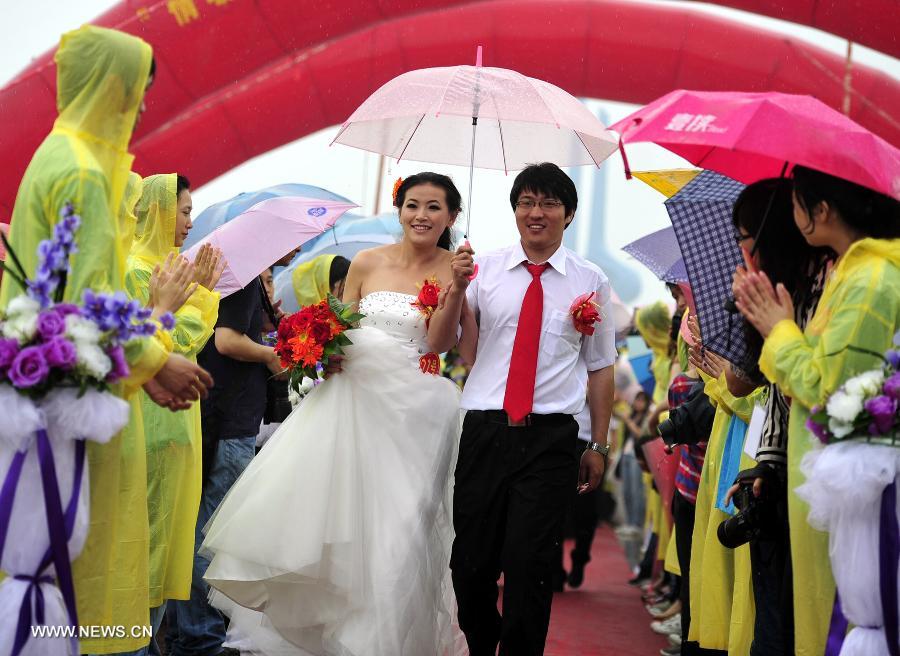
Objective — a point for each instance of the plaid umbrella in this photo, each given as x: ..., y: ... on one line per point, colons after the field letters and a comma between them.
x: 659, y: 252
x: 701, y: 216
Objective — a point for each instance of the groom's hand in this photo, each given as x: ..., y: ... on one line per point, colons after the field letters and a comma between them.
x: 590, y: 473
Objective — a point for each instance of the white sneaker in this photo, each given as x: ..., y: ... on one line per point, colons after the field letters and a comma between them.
x: 657, y: 609
x: 671, y: 625
x: 675, y: 639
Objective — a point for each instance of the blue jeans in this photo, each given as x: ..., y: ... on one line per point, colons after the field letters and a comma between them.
x: 194, y: 628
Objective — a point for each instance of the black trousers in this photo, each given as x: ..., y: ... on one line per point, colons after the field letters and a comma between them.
x: 509, y: 503
x: 582, y: 514
x: 770, y: 565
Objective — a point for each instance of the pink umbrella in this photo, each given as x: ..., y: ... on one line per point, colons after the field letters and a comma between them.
x: 751, y: 136
x: 256, y: 239
x: 474, y: 116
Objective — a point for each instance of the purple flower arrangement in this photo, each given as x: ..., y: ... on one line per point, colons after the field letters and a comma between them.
x: 866, y: 406
x: 45, y: 343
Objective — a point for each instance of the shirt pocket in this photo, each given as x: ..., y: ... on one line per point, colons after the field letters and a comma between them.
x: 560, y: 339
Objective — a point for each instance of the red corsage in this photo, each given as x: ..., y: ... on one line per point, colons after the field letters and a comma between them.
x: 427, y: 300
x: 585, y: 313
x: 430, y: 363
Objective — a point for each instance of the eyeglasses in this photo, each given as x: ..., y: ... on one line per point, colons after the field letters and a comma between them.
x: 740, y: 239
x: 546, y: 204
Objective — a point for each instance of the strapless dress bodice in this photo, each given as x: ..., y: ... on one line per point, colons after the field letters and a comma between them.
x: 393, y: 313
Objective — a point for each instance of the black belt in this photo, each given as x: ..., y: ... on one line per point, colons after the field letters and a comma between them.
x: 500, y: 417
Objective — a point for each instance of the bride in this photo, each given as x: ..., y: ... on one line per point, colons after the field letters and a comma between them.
x: 339, y: 531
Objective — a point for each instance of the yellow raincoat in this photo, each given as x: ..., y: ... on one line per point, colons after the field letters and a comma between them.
x: 101, y: 77
x: 860, y: 306
x: 722, y: 608
x: 173, y: 439
x: 654, y: 323
x: 310, y: 280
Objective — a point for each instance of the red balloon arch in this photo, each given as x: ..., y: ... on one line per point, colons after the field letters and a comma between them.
x: 240, y: 77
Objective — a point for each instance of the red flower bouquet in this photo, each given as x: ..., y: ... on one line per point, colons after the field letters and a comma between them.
x: 308, y: 338
x: 585, y: 313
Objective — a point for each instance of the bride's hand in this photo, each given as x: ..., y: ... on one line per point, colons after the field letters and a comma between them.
x: 334, y: 366
x: 462, y: 266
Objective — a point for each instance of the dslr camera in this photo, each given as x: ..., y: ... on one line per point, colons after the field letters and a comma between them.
x: 756, y: 517
x: 690, y: 422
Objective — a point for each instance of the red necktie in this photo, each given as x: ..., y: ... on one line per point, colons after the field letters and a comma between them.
x: 519, y: 396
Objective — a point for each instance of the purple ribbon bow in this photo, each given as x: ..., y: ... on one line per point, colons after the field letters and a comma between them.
x: 60, y: 528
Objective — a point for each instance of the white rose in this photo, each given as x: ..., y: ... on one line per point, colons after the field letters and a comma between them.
x: 22, y: 327
x: 93, y: 359
x: 839, y: 428
x: 81, y: 330
x: 844, y: 407
x: 23, y: 306
x: 866, y: 384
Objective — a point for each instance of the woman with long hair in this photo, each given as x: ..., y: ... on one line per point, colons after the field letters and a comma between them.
x: 339, y: 530
x: 859, y: 311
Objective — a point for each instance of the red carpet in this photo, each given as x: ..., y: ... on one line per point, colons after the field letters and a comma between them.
x: 605, y: 616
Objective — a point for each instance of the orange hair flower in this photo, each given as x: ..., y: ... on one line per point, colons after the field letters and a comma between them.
x: 397, y: 185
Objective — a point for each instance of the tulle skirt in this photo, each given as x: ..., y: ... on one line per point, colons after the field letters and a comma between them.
x: 844, y: 486
x: 339, y: 531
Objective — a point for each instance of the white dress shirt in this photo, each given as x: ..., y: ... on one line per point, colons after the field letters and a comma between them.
x: 565, y: 355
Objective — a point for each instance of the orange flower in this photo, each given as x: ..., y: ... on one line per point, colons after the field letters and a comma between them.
x: 396, y: 189
x: 305, y: 350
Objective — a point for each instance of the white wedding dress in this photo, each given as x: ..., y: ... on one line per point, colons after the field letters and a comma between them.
x: 339, y: 531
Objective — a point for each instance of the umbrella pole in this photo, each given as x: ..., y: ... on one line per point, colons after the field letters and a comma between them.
x: 471, y: 178
x: 476, y: 104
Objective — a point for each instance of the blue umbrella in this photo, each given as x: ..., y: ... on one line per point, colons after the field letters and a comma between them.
x: 701, y: 216
x: 659, y: 252
x: 221, y: 213
x: 349, y: 235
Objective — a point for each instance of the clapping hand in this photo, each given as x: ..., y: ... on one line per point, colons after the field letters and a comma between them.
x: 170, y: 284
x: 208, y: 266
x: 706, y: 361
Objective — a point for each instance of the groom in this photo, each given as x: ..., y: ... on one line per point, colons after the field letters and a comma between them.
x: 517, y: 464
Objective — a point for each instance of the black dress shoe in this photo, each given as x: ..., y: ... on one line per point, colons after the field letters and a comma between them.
x: 576, y: 576
x: 638, y: 580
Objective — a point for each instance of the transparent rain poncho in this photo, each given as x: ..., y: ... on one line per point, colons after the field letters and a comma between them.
x: 173, y: 439
x: 101, y: 78
x: 860, y: 307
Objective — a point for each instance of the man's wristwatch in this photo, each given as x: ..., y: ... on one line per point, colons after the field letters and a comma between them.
x: 602, y: 449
